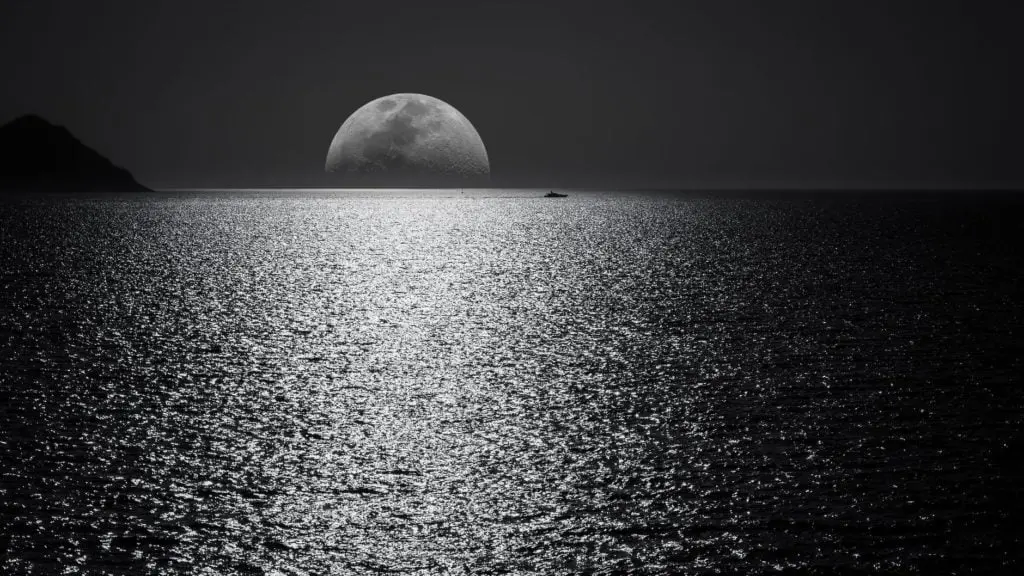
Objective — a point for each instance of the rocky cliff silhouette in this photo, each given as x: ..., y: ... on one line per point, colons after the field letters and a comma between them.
x: 38, y: 156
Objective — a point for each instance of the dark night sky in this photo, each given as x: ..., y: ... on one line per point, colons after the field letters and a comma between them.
x: 588, y: 93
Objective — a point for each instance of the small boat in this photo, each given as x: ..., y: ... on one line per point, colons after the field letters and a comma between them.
x: 553, y: 194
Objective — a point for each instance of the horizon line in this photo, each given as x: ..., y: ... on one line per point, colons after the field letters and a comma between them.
x: 679, y: 189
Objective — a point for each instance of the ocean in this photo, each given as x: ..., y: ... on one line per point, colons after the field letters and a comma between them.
x: 490, y: 382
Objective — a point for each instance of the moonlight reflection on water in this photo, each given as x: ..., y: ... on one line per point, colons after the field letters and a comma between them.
x: 336, y: 383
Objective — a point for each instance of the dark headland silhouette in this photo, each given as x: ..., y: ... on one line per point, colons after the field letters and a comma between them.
x: 38, y: 156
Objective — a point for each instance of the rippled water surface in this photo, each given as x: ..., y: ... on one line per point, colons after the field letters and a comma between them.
x: 327, y: 383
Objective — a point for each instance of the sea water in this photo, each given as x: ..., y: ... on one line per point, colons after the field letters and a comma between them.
x: 488, y: 382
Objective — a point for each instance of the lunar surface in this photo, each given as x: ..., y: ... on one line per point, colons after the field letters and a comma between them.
x: 408, y: 140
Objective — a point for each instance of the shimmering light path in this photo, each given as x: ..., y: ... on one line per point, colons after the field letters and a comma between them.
x: 327, y: 383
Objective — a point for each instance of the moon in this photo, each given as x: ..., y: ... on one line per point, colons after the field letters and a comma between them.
x: 408, y: 140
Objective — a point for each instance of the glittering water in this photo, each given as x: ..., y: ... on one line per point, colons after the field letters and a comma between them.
x: 327, y: 383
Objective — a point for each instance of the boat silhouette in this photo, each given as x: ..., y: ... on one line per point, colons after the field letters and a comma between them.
x: 553, y: 194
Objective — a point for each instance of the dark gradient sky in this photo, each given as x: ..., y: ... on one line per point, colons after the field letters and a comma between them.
x: 584, y: 93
